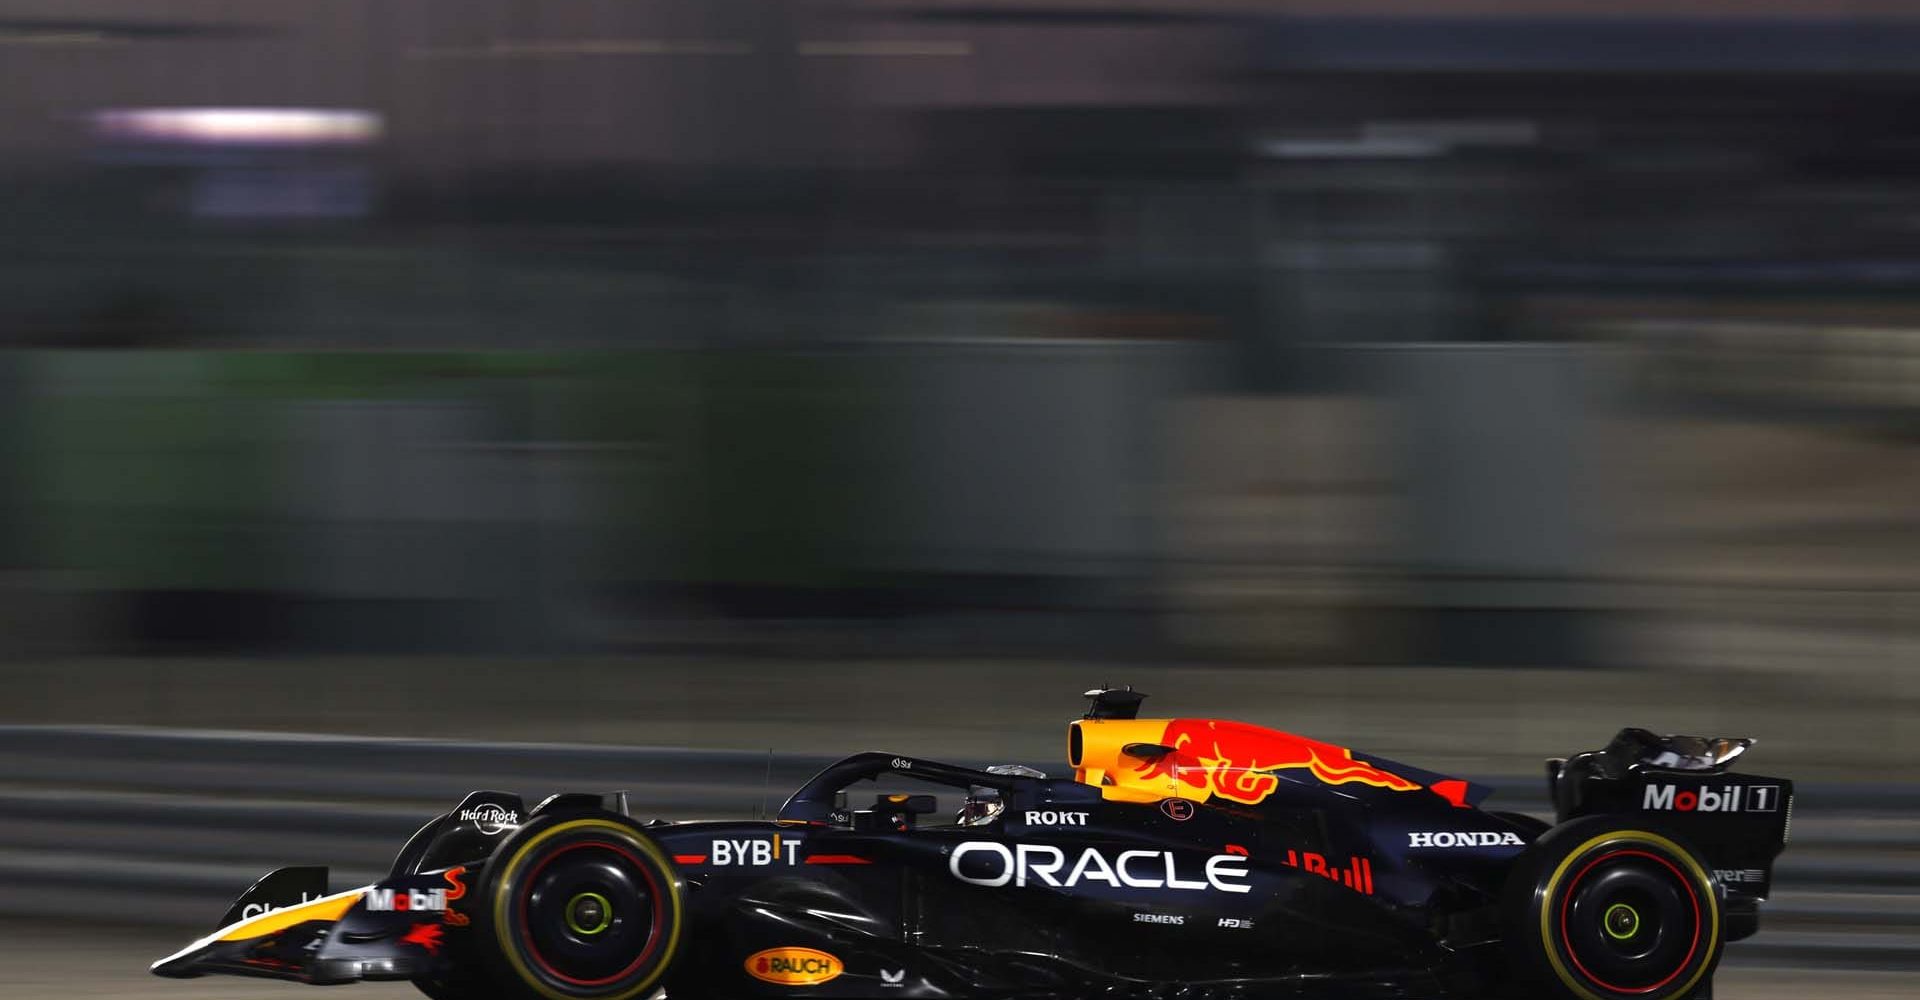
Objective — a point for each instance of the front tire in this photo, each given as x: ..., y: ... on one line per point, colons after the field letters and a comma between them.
x: 1613, y: 908
x: 580, y: 907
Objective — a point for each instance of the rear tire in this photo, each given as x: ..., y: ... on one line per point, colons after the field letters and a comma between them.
x: 1613, y: 908
x: 579, y: 907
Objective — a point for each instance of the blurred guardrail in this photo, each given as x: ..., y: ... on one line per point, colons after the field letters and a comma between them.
x: 166, y: 827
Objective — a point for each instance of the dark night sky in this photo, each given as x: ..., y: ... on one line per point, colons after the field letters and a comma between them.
x: 725, y: 81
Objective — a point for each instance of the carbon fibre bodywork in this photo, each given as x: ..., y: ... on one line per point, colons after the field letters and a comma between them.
x: 1182, y: 859
x: 1069, y: 894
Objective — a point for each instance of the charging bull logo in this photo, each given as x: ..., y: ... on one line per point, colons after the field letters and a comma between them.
x: 427, y: 936
x: 1236, y: 761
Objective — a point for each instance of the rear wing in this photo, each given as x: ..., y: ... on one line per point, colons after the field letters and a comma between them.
x: 1739, y: 822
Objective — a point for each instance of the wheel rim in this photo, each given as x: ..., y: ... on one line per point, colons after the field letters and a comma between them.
x: 588, y: 914
x: 1631, y: 921
x: 591, y: 914
x: 1621, y: 921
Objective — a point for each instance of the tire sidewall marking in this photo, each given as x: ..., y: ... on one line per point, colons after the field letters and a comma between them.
x: 501, y: 905
x: 1703, y: 885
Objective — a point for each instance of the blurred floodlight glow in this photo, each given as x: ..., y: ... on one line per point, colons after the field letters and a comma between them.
x: 1367, y: 148
x: 241, y: 126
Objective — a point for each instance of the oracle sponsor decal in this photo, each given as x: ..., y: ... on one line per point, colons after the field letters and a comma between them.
x: 993, y: 864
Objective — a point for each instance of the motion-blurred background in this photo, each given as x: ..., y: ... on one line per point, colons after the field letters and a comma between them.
x: 1461, y: 380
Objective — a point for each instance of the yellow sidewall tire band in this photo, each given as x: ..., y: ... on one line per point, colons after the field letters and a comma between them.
x: 502, y: 904
x: 1703, y: 885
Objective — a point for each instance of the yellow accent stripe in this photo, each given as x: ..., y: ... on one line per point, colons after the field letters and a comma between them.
x: 327, y: 908
x: 502, y: 903
x: 1704, y: 884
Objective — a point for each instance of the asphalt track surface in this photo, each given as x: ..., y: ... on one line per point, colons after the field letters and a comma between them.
x: 109, y: 962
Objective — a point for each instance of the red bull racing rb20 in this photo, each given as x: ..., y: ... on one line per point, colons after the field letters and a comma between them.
x: 1176, y: 859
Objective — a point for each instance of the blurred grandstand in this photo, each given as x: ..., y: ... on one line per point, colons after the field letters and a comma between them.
x: 1542, y: 333
x: 605, y: 371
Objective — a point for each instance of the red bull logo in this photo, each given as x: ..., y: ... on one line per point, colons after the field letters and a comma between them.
x: 1236, y: 761
x: 1357, y: 875
x: 427, y: 936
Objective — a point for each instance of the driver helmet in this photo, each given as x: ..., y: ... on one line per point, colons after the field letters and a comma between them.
x: 983, y: 804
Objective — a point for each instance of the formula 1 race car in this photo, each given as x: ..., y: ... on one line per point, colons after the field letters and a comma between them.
x: 1183, y: 858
